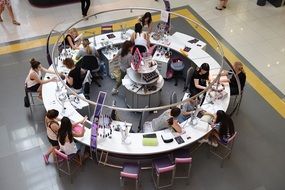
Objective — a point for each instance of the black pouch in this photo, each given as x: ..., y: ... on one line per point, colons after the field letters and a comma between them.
x: 26, y: 101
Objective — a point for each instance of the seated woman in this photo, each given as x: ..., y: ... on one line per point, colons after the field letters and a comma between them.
x: 52, y: 127
x: 167, y: 119
x: 187, y: 109
x: 199, y: 80
x: 75, y: 75
x: 69, y: 39
x: 66, y: 134
x: 34, y: 80
x: 87, y: 50
x: 139, y: 38
x: 146, y: 21
x: 223, y: 129
x: 238, y: 70
x: 124, y: 56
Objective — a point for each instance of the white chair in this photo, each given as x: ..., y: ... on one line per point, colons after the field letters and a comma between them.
x: 142, y: 120
x: 224, y: 150
x: 173, y: 98
x: 189, y: 76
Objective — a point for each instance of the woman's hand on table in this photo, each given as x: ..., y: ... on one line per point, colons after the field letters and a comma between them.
x: 54, y: 79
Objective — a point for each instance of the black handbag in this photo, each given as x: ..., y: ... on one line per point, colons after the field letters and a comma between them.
x: 26, y: 101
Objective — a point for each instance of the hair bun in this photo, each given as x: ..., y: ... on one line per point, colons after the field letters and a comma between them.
x: 32, y: 60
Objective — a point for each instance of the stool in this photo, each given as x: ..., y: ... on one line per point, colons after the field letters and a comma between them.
x: 31, y: 95
x: 182, y: 158
x: 162, y: 166
x: 130, y: 171
x: 67, y: 164
x: 177, y: 68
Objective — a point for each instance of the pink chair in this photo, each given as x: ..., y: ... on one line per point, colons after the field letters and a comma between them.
x: 162, y: 166
x: 182, y: 160
x: 224, y: 151
x: 106, y: 28
x: 67, y: 164
x: 130, y: 171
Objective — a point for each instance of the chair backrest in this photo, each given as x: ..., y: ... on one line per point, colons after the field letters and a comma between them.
x: 60, y: 154
x: 106, y: 28
x: 142, y: 119
x: 142, y: 49
x: 173, y: 98
x: 87, y: 78
x: 114, y: 114
x: 166, y: 169
x: 89, y: 62
x: 189, y: 76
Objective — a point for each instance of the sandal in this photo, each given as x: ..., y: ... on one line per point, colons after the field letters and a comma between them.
x: 16, y: 23
x: 219, y: 8
x: 1, y: 20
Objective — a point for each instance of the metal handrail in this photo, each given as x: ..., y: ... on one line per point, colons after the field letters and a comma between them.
x: 137, y: 109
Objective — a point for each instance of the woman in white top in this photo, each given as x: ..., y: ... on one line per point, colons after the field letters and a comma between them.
x: 139, y: 37
x: 66, y: 134
x: 52, y: 127
x: 87, y: 50
x: 34, y: 80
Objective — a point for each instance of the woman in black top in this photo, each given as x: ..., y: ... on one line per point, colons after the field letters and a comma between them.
x: 238, y: 69
x: 223, y: 129
x: 74, y: 78
x: 69, y: 39
x: 199, y: 79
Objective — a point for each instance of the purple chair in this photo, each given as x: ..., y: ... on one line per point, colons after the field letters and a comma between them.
x: 130, y: 171
x: 183, y: 160
x: 162, y: 166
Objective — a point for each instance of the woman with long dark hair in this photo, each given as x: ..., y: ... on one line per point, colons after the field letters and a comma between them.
x: 224, y: 126
x: 66, y: 134
x: 124, y: 57
x: 146, y: 21
x: 223, y: 129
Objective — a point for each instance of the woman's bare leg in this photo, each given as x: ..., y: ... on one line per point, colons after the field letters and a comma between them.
x: 1, y: 10
x: 11, y: 14
x: 225, y: 2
